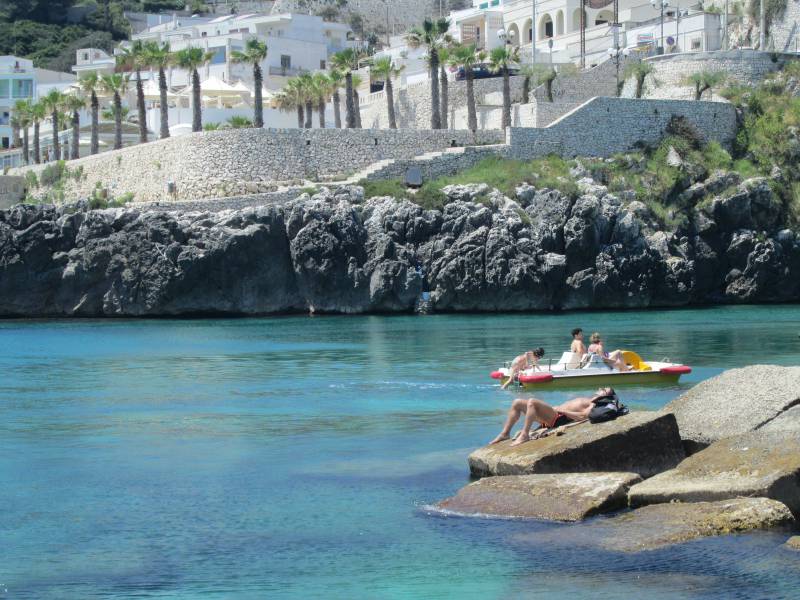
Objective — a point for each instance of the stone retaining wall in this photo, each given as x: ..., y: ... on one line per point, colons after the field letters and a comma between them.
x: 246, y: 161
x: 605, y: 126
x: 741, y: 66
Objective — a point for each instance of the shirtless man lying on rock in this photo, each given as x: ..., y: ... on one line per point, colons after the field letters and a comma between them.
x: 547, y: 416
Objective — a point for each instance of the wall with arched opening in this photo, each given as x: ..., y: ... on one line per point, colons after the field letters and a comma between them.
x: 527, y: 31
x: 576, y: 19
x: 513, y: 34
x: 603, y: 17
x: 560, y: 22
x: 545, y: 29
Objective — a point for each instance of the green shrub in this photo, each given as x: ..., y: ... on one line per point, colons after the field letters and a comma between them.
x: 429, y: 196
x: 31, y: 180
x: 211, y: 126
x: 384, y: 187
x: 52, y: 173
x: 310, y: 190
x: 240, y: 122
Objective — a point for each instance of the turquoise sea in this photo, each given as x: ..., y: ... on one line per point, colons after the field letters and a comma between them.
x: 294, y: 458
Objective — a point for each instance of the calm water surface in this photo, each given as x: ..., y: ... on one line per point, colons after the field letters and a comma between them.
x: 294, y: 457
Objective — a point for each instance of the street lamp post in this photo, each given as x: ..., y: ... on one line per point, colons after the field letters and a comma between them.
x: 662, y: 4
x: 615, y: 54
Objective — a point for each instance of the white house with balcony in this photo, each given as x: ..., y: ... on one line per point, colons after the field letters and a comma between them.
x: 295, y: 43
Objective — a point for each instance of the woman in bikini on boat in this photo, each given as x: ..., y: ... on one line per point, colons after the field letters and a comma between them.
x: 613, y: 359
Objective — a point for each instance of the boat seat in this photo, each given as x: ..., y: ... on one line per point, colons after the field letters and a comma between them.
x: 595, y: 361
x: 570, y: 360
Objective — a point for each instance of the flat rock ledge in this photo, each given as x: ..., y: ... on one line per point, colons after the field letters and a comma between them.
x: 735, y: 402
x: 553, y: 497
x: 662, y: 525
x: 759, y: 463
x: 793, y: 542
x: 644, y: 443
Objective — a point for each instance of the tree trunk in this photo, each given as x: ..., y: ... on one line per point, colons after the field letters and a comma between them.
x: 357, y: 104
x: 37, y: 155
x: 142, y: 114
x: 15, y: 139
x: 349, y: 101
x: 472, y: 118
x: 390, y: 103
x: 197, y: 108
x: 443, y: 95
x: 56, y: 144
x: 639, y: 86
x: 164, y: 107
x: 76, y: 133
x: 321, y: 113
x: 300, y: 117
x: 337, y: 110
x: 94, y: 148
x: 549, y: 89
x: 506, y: 99
x: 117, y: 121
x: 26, y: 146
x: 436, y: 119
x: 309, y: 114
x: 526, y: 90
x: 258, y: 109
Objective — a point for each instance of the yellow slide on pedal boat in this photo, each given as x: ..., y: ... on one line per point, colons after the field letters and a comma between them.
x: 592, y: 371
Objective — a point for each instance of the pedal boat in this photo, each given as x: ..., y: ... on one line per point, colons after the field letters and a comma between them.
x: 570, y: 372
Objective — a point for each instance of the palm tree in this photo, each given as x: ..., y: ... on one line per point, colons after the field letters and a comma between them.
x: 293, y: 94
x: 116, y: 84
x: 639, y: 70
x: 15, y: 129
x: 286, y: 102
x: 135, y: 59
x: 89, y: 84
x: 346, y: 61
x: 75, y: 104
x: 160, y: 57
x: 467, y: 57
x: 306, y: 87
x: 444, y: 56
x: 191, y: 59
x: 357, y: 81
x: 704, y: 80
x: 53, y: 101
x: 254, y: 54
x: 22, y: 113
x: 385, y: 69
x: 500, y: 60
x: 337, y: 78
x: 322, y: 91
x: 38, y: 112
x: 433, y: 36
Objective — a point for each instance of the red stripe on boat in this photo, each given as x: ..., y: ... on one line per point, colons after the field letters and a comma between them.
x: 496, y: 375
x: 676, y: 370
x: 536, y: 378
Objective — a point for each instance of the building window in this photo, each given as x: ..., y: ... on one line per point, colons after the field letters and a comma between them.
x: 4, y: 87
x: 286, y: 62
x: 5, y: 143
x: 322, y: 66
x: 85, y: 56
x: 22, y: 88
x: 696, y: 44
x: 203, y: 33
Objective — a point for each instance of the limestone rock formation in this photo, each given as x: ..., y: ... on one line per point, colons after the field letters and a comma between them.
x: 555, y: 497
x: 758, y: 463
x: 793, y: 542
x: 645, y: 443
x: 661, y: 525
x: 334, y: 252
x: 738, y: 401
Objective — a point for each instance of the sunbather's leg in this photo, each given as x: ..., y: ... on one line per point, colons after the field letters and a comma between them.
x: 535, y: 411
x: 518, y: 408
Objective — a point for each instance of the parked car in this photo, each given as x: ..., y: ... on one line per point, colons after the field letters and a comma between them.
x: 482, y: 71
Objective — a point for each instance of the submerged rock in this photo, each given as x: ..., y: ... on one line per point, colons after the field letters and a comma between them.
x: 793, y: 542
x: 661, y: 525
x: 555, y: 497
x: 735, y: 402
x: 758, y: 463
x: 645, y: 443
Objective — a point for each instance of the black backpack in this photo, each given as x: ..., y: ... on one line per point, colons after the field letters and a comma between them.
x: 607, y: 408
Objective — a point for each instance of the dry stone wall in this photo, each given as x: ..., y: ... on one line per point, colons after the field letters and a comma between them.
x: 741, y: 66
x: 605, y: 126
x: 402, y: 13
x: 784, y: 33
x: 243, y: 161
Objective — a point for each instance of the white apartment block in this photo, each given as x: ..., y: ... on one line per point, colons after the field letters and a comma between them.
x: 295, y: 43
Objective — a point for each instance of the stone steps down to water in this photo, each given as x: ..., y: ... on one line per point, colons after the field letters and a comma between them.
x: 645, y: 443
x: 554, y: 497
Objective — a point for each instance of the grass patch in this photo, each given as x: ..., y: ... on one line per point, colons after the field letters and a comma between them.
x: 383, y: 187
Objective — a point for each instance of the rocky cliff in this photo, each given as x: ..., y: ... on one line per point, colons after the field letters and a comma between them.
x: 336, y: 252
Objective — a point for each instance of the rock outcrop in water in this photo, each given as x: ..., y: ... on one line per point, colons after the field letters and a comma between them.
x: 336, y: 253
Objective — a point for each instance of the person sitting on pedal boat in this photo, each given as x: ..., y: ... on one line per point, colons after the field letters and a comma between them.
x: 529, y: 360
x: 612, y: 359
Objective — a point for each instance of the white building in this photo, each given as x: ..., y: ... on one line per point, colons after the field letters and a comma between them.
x: 295, y: 43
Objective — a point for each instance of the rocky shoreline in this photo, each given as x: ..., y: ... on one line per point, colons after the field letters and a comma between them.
x: 336, y: 252
x: 744, y: 475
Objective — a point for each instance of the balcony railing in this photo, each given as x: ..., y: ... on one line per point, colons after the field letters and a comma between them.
x: 285, y: 71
